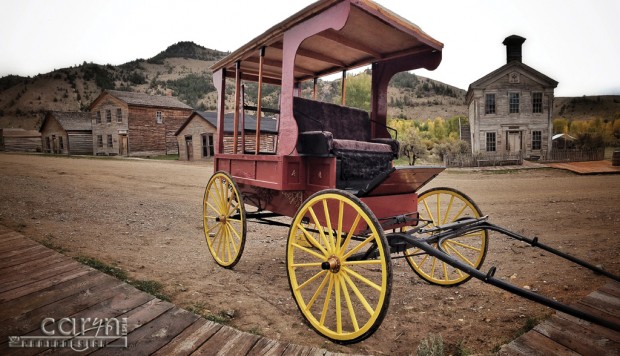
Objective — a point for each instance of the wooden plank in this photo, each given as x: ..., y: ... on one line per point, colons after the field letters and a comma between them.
x: 47, y: 283
x: 72, y: 283
x: 29, y: 320
x: 611, y: 289
x: 267, y: 347
x: 31, y: 261
x: 597, y: 329
x: 151, y: 336
x: 225, y: 339
x: 604, y: 302
x: 597, y: 311
x: 15, y: 243
x: 576, y: 337
x: 541, y: 345
x: 41, y: 274
x: 124, y: 300
x: 298, y: 350
x: 17, y: 250
x: 190, y: 339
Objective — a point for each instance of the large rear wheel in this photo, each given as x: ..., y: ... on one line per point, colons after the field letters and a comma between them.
x: 340, y: 272
x: 439, y: 206
x: 224, y: 220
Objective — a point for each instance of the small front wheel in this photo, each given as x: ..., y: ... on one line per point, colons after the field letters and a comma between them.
x: 340, y: 271
x: 224, y: 220
x: 440, y: 206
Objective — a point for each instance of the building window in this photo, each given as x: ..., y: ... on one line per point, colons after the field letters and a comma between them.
x: 100, y: 141
x: 491, y: 142
x: 119, y: 115
x: 537, y: 107
x: 98, y: 117
x: 208, y: 150
x: 60, y: 143
x: 108, y: 116
x: 513, y: 103
x: 109, y: 140
x: 536, y: 140
x: 159, y: 117
x: 489, y: 106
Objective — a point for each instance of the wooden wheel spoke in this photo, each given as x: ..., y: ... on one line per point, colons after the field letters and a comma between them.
x: 318, y: 291
x: 428, y: 211
x: 309, y: 251
x: 464, y: 245
x: 359, y: 294
x: 445, y: 218
x: 312, y: 240
x: 350, y: 234
x: 329, y: 228
x: 339, y: 231
x: 347, y: 298
x: 458, y: 253
x: 363, y: 279
x: 317, y: 224
x: 338, y: 304
x: 328, y: 297
x: 358, y: 247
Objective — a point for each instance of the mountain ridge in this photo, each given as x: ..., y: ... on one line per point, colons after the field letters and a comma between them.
x: 182, y: 70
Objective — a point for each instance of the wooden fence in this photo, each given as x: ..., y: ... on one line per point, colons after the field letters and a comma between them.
x: 482, y: 159
x: 574, y: 155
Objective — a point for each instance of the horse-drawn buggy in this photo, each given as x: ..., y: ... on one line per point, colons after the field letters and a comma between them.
x: 330, y: 168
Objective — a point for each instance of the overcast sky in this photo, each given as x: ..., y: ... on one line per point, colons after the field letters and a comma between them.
x: 575, y: 42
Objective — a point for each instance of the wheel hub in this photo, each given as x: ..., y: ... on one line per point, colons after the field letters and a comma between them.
x: 221, y: 219
x: 332, y: 264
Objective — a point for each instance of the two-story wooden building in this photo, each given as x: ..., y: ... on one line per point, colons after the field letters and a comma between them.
x: 67, y: 133
x: 510, y: 109
x: 136, y: 124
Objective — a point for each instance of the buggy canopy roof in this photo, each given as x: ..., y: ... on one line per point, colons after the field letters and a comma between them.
x: 356, y: 33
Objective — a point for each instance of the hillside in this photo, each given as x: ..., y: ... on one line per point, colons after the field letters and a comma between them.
x: 606, y: 107
x: 183, y: 70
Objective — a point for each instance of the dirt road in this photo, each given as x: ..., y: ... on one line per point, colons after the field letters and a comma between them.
x: 145, y: 217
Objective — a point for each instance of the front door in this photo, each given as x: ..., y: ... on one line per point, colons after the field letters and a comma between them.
x: 189, y: 147
x: 122, y: 146
x: 513, y: 141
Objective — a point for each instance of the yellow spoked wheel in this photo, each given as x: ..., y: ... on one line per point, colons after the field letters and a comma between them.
x: 441, y: 206
x: 224, y: 220
x: 342, y: 283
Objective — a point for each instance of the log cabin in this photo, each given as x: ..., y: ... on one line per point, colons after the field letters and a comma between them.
x: 510, y: 109
x: 136, y: 124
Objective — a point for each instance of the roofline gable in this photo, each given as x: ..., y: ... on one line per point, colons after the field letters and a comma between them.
x: 504, y: 70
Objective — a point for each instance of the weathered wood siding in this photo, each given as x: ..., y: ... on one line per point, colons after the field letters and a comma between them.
x: 80, y: 142
x: 105, y: 128
x: 195, y: 128
x: 22, y: 141
x: 147, y: 137
x: 502, y: 121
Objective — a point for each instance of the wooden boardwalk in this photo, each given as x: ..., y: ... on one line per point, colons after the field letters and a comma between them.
x: 37, y: 283
x: 563, y: 334
x: 589, y: 167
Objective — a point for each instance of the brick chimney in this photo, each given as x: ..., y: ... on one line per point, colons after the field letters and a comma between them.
x: 513, y: 48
